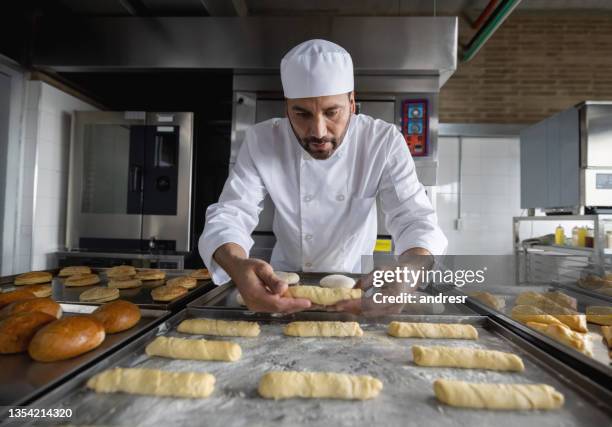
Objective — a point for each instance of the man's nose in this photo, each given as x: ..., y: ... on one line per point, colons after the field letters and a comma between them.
x: 319, y: 128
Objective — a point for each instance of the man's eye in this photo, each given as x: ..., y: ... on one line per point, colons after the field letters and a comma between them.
x: 303, y: 114
x: 331, y: 113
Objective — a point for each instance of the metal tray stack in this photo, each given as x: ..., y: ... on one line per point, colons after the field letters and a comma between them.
x: 407, y: 397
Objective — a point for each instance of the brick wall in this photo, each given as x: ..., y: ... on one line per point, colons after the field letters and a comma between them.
x: 535, y: 65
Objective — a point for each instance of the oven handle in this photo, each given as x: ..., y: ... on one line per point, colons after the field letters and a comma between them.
x: 136, y: 181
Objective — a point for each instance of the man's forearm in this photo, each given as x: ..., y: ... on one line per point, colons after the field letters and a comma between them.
x: 227, y: 256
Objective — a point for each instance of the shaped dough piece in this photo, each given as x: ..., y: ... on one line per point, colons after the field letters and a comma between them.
x: 530, y: 313
x: 225, y: 328
x: 153, y: 382
x: 571, y: 318
x: 325, y: 385
x: 599, y: 314
x: 497, y: 396
x: 463, y: 357
x: 432, y: 330
x: 565, y: 336
x: 606, y: 331
x: 498, y: 303
x: 336, y: 281
x: 323, y: 329
x: 562, y: 299
x: 181, y: 348
x: 290, y: 278
x: 323, y: 296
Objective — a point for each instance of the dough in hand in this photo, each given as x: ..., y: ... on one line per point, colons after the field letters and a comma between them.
x: 325, y: 385
x: 464, y: 357
x: 530, y: 313
x: 323, y: 296
x: 432, y: 330
x: 497, y: 396
x: 599, y: 314
x: 181, y: 348
x: 493, y: 301
x: 337, y: 281
x: 290, y: 278
x: 226, y: 328
x: 565, y: 335
x: 323, y: 329
x: 153, y: 382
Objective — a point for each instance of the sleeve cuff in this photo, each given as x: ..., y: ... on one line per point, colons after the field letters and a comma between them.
x: 208, y: 245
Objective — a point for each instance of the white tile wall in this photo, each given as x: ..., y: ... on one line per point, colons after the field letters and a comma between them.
x: 486, y: 191
x: 45, y: 174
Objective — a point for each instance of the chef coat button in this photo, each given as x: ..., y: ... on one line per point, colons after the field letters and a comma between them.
x: 308, y: 198
x: 308, y: 237
x: 308, y: 265
x: 340, y: 197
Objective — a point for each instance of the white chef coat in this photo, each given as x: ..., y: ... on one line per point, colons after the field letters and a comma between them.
x: 325, y: 210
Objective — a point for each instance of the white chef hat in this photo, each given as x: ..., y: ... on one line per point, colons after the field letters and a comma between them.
x: 316, y: 68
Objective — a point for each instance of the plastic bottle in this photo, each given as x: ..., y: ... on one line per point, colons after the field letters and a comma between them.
x: 559, y: 235
x: 575, y: 235
x: 582, y: 232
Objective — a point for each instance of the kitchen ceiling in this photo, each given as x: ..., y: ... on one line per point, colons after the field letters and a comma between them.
x: 469, y: 8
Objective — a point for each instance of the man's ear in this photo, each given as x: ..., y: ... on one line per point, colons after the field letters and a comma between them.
x: 352, y: 101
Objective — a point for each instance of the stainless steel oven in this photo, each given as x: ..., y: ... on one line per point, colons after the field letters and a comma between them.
x: 130, y: 181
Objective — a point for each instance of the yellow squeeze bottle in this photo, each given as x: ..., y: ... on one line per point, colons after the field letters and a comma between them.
x: 559, y: 235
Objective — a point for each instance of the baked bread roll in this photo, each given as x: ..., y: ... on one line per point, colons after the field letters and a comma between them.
x: 7, y: 298
x: 66, y: 338
x: 33, y: 278
x: 600, y: 315
x: 320, y: 385
x: 121, y: 271
x: 43, y: 305
x: 562, y: 299
x: 593, y: 282
x: 227, y: 328
x: 497, y: 396
x: 322, y: 296
x: 530, y: 313
x: 74, y: 269
x: 323, y: 329
x: 565, y: 335
x: 182, y: 348
x: 496, y: 302
x: 150, y: 274
x: 168, y: 293
x: 432, y: 330
x: 153, y: 382
x: 184, y: 281
x: 39, y: 290
x: 124, y: 283
x: 99, y: 294
x: 16, y: 331
x: 117, y: 316
x: 463, y: 357
x: 289, y: 277
x: 337, y: 281
x: 82, y: 280
x: 201, y: 274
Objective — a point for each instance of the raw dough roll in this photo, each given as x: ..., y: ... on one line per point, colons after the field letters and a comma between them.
x: 226, y: 328
x: 601, y: 315
x: 571, y: 318
x: 530, y: 313
x: 337, y: 281
x: 153, y: 382
x: 565, y: 336
x: 432, y: 330
x: 464, y: 357
x: 562, y: 299
x: 493, y: 301
x: 606, y: 331
x: 497, y: 396
x: 323, y: 296
x: 181, y: 348
x: 290, y: 278
x: 325, y: 385
x: 323, y: 329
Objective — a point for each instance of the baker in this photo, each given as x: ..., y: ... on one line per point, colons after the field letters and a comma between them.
x: 323, y: 167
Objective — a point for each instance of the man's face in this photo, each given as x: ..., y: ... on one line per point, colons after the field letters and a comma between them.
x: 320, y: 123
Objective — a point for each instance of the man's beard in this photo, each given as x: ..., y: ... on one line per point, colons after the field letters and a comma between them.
x: 319, y: 148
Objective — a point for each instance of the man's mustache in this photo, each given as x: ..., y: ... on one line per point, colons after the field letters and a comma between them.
x: 314, y: 140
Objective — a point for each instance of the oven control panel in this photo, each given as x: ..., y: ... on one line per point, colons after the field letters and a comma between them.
x: 415, y: 118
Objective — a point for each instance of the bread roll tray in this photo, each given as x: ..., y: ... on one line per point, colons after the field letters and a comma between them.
x: 406, y: 399
x: 23, y: 379
x: 140, y: 296
x: 597, y: 367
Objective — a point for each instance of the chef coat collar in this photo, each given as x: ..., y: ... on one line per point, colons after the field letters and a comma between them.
x: 338, y: 154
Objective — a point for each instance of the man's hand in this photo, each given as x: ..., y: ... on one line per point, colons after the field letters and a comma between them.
x: 260, y: 288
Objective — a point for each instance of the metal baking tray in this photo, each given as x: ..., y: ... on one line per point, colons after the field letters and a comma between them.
x: 140, y: 296
x: 224, y: 297
x: 23, y: 379
x: 407, y: 397
x: 597, y: 367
